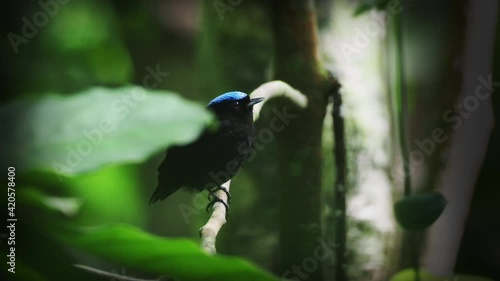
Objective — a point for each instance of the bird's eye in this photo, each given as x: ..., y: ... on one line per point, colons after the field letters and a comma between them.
x: 236, y: 105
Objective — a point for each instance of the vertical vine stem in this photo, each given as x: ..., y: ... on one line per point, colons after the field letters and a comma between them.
x: 340, y: 213
x: 402, y: 89
x: 403, y: 98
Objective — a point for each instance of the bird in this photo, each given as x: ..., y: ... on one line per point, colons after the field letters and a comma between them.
x: 216, y: 156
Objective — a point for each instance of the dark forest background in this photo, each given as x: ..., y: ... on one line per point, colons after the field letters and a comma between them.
x: 405, y: 70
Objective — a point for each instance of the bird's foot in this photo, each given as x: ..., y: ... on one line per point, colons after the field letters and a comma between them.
x: 213, y: 190
x: 213, y: 198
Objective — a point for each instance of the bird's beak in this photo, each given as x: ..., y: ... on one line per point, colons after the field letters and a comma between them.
x: 255, y: 101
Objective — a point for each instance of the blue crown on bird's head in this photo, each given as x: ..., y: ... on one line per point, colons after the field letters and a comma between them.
x: 229, y: 96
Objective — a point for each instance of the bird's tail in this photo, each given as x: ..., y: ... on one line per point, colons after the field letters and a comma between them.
x: 157, y: 195
x: 160, y: 195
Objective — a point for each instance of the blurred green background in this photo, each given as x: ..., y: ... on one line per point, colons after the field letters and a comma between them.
x: 79, y: 64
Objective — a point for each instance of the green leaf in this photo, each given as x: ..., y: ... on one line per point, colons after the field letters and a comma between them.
x: 67, y: 206
x: 112, y: 195
x: 178, y: 258
x: 419, y: 211
x: 79, y: 133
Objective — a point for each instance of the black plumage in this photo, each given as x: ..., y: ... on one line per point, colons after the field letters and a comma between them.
x: 214, y: 157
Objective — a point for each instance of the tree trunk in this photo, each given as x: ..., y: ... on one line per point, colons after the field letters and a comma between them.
x: 299, y: 146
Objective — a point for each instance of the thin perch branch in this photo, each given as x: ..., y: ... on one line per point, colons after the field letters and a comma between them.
x: 209, y: 231
x: 274, y: 89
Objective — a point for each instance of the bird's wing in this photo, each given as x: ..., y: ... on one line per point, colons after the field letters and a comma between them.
x: 180, y: 166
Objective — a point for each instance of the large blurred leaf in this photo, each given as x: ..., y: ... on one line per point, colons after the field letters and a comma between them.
x: 178, y: 258
x: 130, y: 247
x: 100, y: 126
x: 112, y: 194
x: 31, y: 196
